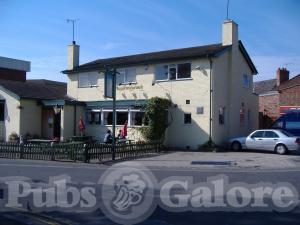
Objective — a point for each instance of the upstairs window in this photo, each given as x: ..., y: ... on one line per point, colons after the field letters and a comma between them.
x: 184, y: 71
x: 173, y: 71
x: 126, y: 76
x: 246, y: 81
x: 88, y: 80
x: 161, y: 72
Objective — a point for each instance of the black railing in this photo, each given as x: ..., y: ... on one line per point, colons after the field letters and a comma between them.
x: 77, y: 151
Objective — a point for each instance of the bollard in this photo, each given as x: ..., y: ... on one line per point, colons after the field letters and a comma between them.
x: 21, y: 150
x: 52, y: 151
x: 86, y: 153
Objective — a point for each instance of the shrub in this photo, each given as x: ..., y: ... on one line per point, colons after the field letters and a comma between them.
x: 156, y: 115
x: 13, y: 136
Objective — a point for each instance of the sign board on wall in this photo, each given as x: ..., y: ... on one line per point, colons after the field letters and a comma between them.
x: 108, y: 84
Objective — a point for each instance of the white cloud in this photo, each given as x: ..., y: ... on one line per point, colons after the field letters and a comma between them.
x: 110, y: 45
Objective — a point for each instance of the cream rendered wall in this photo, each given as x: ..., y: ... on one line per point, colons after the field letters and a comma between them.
x: 67, y: 122
x: 12, y: 114
x: 228, y: 73
x: 241, y: 94
x: 31, y: 117
x: 220, y: 97
x: 195, y: 89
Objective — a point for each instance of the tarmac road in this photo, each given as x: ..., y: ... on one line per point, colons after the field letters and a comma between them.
x: 40, y: 171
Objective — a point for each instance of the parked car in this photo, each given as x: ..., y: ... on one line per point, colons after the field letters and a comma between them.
x: 279, y: 141
x: 289, y: 122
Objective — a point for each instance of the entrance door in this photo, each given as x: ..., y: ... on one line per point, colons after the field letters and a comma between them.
x: 50, y: 123
x: 56, y: 130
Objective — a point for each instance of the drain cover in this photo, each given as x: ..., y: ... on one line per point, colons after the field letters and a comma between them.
x: 217, y: 163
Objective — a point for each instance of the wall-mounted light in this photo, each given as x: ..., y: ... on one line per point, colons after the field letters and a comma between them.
x: 56, y: 109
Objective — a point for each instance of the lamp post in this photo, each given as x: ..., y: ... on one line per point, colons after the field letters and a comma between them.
x: 110, y: 92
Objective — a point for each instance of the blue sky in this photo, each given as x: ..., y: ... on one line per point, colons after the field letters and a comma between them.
x: 37, y: 30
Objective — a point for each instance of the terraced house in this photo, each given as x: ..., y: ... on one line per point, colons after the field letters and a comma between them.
x: 210, y: 86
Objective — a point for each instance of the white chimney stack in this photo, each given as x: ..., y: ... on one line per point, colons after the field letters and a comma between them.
x: 73, y: 55
x: 230, y: 33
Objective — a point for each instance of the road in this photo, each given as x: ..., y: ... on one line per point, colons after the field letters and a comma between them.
x: 40, y: 171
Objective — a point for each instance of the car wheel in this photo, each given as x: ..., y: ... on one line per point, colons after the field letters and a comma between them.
x: 280, y: 149
x: 236, y: 146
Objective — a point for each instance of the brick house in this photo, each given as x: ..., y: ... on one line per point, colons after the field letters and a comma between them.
x: 289, y: 95
x: 277, y: 96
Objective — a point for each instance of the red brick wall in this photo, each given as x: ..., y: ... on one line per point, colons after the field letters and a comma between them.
x: 15, y: 75
x: 269, y: 105
x: 290, y: 96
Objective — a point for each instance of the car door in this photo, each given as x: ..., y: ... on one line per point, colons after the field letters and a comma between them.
x: 254, y: 141
x: 270, y: 140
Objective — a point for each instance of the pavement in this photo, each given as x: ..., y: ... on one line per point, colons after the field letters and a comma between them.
x: 217, y: 160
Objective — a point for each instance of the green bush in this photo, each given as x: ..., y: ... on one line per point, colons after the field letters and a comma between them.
x: 13, y: 136
x: 156, y: 116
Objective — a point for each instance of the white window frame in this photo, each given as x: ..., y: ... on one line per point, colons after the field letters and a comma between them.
x: 130, y: 117
x: 167, y: 73
x: 123, y: 72
x: 110, y: 110
x: 174, y: 65
x: 87, y: 75
x: 94, y: 110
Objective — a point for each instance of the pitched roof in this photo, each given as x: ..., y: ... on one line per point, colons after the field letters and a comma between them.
x: 295, y: 81
x: 265, y: 86
x: 152, y: 57
x: 162, y: 56
x: 37, y: 89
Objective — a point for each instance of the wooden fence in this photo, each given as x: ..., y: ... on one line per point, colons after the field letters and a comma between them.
x: 77, y: 151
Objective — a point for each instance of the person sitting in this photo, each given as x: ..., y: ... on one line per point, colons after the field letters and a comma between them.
x: 108, y: 137
x: 121, y: 138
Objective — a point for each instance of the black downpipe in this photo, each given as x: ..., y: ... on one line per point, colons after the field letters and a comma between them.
x: 210, y: 100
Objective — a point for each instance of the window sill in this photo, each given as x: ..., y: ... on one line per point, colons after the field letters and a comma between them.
x: 129, y: 83
x: 93, y: 86
x: 182, y: 79
x: 131, y: 126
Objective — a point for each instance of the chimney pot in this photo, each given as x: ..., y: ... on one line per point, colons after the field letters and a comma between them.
x: 283, y: 75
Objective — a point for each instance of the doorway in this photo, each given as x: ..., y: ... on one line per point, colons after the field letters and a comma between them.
x: 50, y: 123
